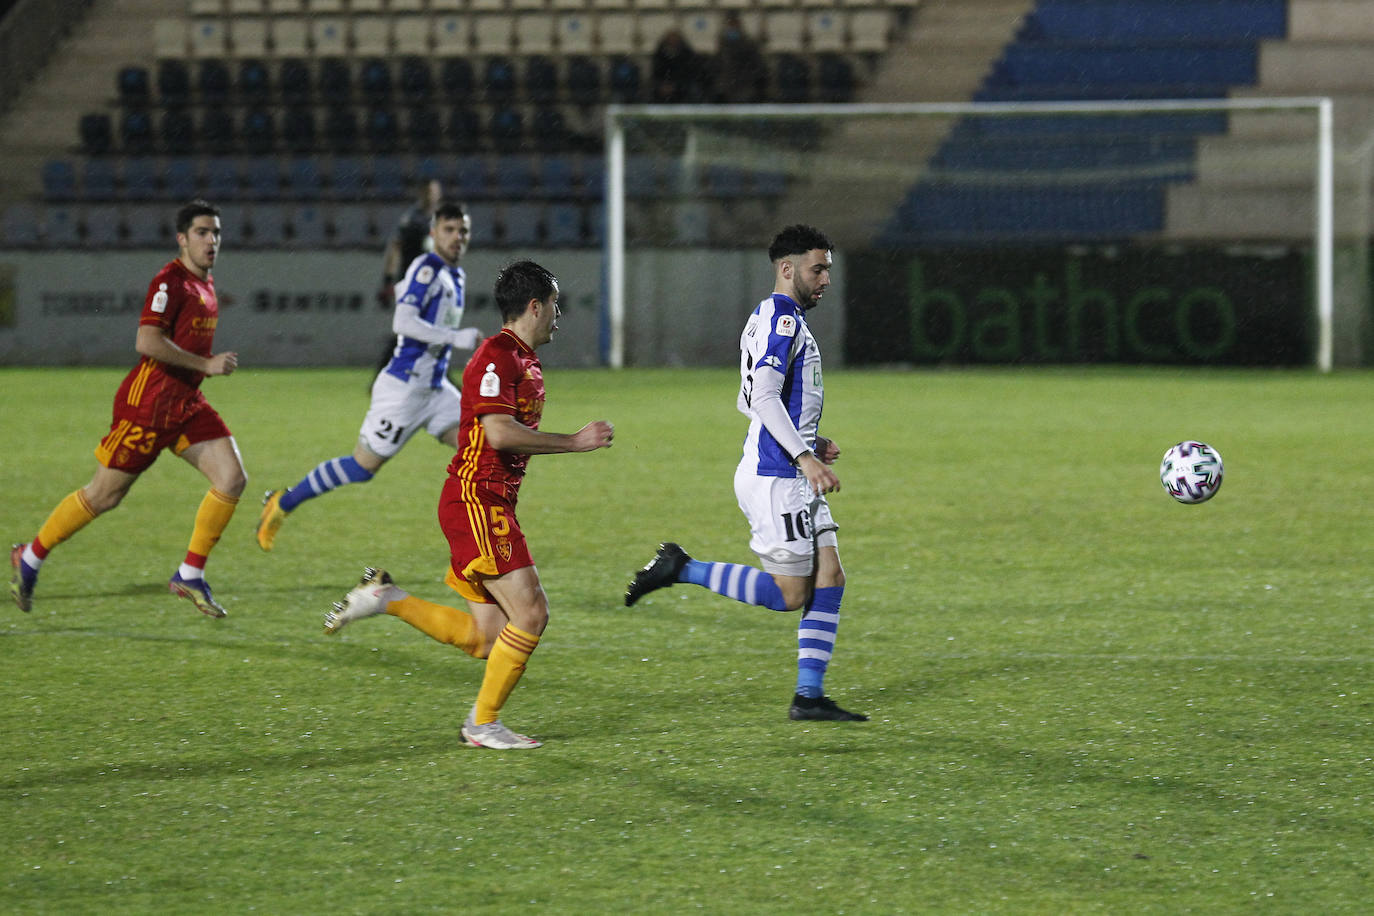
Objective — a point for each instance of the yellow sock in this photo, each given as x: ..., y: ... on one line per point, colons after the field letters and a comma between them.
x: 438, y: 621
x: 504, y: 667
x: 211, y: 519
x: 71, y: 515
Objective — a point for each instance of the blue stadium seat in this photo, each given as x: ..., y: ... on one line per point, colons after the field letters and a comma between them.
x: 146, y: 226
x: 596, y: 226
x: 514, y: 176
x: 625, y: 80
x: 270, y: 225
x: 221, y: 179
x: 522, y: 223
x: 59, y: 180
x: 258, y: 132
x: 340, y: 129
x: 388, y: 178
x: 582, y: 79
x: 348, y: 178
x: 142, y: 178
x: 416, y: 81
x: 835, y: 79
x: 173, y: 83
x: 382, y: 132
x: 217, y: 131
x: 548, y: 129
x: 424, y: 130
x: 177, y: 133
x: 507, y: 128
x: 62, y: 227
x: 464, y: 129
x: 102, y: 226
x: 792, y: 79
x: 335, y: 85
x: 309, y: 227
x: 255, y: 86
x: 354, y: 226
x: 470, y: 177
x: 136, y: 133
x: 557, y: 176
x: 235, y: 223
x: 593, y: 173
x: 564, y: 225
x: 97, y: 133
x: 303, y: 178
x: 457, y: 80
x: 262, y: 178
x: 133, y: 86
x: 213, y: 84
x: 20, y: 226
x: 99, y: 180
x: 541, y: 79
x: 643, y: 176
x: 180, y: 180
x: 499, y: 80
x: 294, y: 82
x: 298, y: 129
x: 374, y: 80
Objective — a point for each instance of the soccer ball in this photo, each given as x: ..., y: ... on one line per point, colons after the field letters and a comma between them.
x: 1191, y: 472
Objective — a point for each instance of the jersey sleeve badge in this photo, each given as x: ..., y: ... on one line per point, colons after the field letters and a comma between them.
x: 786, y: 326
x: 160, y: 299
x: 491, y: 382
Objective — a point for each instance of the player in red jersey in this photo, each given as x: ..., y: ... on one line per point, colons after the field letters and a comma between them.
x: 160, y: 406
x: 490, y: 564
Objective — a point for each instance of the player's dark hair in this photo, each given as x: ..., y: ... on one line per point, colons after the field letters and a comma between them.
x: 798, y: 239
x: 448, y: 208
x: 517, y: 284
x: 188, y: 213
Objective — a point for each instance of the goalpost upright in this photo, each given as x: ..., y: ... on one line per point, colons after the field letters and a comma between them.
x: 617, y: 116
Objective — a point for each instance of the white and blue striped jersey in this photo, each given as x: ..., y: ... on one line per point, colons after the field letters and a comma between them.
x: 779, y: 362
x: 432, y: 293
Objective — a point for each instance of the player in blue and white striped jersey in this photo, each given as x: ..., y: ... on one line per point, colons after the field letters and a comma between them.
x: 412, y: 391
x: 783, y: 476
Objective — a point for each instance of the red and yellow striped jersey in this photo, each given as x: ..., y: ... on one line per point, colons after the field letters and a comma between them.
x: 504, y: 376
x: 185, y: 308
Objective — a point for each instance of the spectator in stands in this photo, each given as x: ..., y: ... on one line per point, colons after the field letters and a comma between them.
x: 676, y: 72
x: 741, y: 76
x: 411, y: 236
x: 409, y: 239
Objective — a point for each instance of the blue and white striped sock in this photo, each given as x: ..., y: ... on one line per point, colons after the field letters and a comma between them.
x: 816, y: 640
x: 743, y: 583
x: 326, y: 476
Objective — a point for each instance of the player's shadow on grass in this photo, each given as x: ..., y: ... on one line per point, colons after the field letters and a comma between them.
x: 302, y: 760
x: 158, y: 591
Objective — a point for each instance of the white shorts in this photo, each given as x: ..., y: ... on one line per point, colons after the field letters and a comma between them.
x: 401, y: 409
x: 788, y: 521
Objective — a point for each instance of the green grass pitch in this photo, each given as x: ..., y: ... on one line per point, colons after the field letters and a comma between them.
x: 1086, y: 698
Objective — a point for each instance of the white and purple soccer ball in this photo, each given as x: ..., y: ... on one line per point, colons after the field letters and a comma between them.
x: 1191, y: 472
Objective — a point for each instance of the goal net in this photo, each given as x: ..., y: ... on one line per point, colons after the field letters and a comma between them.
x: 1228, y: 232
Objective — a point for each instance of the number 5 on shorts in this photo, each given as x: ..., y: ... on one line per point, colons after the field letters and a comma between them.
x: 500, y: 525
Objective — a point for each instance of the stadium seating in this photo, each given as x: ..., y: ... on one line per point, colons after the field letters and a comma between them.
x: 1104, y: 49
x: 243, y: 90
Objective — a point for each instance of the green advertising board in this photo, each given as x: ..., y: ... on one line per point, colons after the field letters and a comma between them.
x: 1050, y: 305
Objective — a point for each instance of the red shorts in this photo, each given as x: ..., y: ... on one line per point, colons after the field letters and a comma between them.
x: 484, y: 537
x: 132, y: 447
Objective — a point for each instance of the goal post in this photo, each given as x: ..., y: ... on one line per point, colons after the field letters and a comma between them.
x: 1137, y: 181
